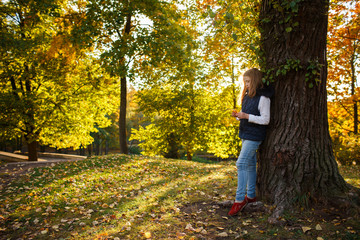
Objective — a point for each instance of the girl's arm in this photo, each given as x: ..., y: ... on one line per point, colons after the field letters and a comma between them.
x: 264, y: 108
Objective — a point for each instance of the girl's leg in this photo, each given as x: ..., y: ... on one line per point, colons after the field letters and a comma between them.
x: 245, y: 167
x: 251, y: 173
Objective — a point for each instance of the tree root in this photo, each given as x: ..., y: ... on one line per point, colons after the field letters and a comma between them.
x: 349, y: 204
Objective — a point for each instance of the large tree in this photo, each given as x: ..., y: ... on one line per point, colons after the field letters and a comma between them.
x: 296, y: 160
x: 51, y: 91
x: 129, y: 33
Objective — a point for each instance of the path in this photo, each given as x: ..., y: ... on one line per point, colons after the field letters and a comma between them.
x: 15, y: 165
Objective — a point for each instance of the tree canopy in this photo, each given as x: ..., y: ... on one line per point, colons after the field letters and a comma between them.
x: 52, y: 91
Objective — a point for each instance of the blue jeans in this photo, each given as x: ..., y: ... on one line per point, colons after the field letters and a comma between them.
x: 246, y: 168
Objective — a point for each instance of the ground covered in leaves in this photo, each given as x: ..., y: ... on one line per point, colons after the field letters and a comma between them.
x: 135, y: 197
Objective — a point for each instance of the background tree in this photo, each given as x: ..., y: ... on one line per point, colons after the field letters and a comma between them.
x: 186, y: 118
x: 130, y: 31
x: 187, y: 102
x: 344, y: 62
x: 47, y: 82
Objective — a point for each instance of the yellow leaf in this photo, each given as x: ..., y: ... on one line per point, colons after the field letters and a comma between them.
x: 305, y: 229
x: 147, y: 235
x: 198, y: 230
x: 105, y: 205
x: 180, y: 235
x: 318, y: 227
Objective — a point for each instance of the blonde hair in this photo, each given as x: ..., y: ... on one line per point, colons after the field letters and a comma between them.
x: 255, y: 82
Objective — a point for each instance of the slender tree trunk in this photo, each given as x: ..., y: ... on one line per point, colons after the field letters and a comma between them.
x: 296, y: 160
x: 122, y: 118
x: 123, y: 102
x: 89, y: 150
x: 353, y: 80
x: 233, y: 84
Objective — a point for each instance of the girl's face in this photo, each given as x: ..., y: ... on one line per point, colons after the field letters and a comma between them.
x: 247, y: 81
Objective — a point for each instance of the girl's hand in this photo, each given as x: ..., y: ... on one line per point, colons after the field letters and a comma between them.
x: 242, y: 115
x: 234, y: 113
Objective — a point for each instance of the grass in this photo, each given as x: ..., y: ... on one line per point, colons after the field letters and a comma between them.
x: 135, y: 197
x: 351, y: 174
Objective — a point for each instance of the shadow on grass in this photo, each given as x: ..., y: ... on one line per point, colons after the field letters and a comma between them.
x: 96, y: 196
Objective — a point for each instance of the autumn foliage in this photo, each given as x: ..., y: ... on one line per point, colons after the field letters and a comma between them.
x: 344, y: 63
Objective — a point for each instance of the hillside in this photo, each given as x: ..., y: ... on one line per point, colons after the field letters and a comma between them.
x: 135, y: 197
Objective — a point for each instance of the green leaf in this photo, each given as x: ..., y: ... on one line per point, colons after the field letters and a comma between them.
x: 229, y: 16
x: 293, y: 4
x: 234, y: 36
x: 288, y: 29
x: 311, y: 85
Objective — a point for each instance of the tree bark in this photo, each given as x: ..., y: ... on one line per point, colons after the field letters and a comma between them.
x: 32, y: 151
x: 123, y: 102
x: 296, y: 162
x: 353, y: 80
x: 122, y: 118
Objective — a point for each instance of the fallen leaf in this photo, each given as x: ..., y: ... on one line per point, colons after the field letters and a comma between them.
x: 189, y: 227
x: 318, y: 227
x: 199, y: 229
x: 223, y: 234
x: 180, y: 235
x: 147, y: 235
x: 305, y: 229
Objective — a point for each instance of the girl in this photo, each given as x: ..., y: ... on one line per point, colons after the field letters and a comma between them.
x: 254, y: 117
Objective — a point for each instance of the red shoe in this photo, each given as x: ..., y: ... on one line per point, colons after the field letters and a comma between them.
x: 237, y: 207
x: 250, y: 200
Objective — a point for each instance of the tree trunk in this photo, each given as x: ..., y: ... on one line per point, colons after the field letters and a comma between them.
x: 89, y: 150
x: 122, y: 118
x: 353, y: 81
x: 189, y: 155
x: 235, y: 98
x: 123, y: 102
x: 32, y: 151
x: 173, y: 148
x: 296, y: 160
